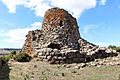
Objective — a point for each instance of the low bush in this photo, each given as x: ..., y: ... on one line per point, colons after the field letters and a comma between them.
x: 6, y: 58
x: 114, y: 48
x: 118, y: 49
x: 23, y: 57
x: 13, y: 52
x: 20, y: 57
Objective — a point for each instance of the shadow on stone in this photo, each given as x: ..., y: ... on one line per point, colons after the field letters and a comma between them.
x: 89, y: 58
x: 4, y: 72
x: 84, y: 58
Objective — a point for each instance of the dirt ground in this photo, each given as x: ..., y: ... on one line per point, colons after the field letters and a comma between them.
x: 41, y: 70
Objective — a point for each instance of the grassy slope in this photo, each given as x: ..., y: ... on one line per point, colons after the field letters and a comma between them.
x: 38, y: 70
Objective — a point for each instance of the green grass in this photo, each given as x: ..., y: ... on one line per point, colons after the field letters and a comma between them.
x: 45, y: 71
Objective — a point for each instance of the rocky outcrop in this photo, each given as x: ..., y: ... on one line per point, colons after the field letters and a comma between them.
x: 59, y: 40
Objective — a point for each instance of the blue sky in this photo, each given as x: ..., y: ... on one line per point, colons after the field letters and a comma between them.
x: 98, y: 20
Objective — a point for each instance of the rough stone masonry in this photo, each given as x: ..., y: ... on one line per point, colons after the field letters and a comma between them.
x: 59, y: 40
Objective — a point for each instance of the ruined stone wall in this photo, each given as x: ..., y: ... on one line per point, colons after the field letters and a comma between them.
x: 27, y: 48
x: 58, y: 28
x: 32, y: 39
x: 59, y: 40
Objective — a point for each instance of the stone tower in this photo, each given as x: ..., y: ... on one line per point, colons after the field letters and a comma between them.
x: 59, y: 34
x: 63, y: 25
x: 59, y: 29
x: 59, y: 40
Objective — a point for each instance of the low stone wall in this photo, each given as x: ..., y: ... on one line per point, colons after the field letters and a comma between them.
x: 60, y: 56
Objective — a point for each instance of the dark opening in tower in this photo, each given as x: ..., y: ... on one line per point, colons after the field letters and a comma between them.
x: 54, y: 46
x: 61, y: 23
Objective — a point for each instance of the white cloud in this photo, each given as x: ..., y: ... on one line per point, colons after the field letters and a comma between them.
x: 36, y: 24
x: 76, y: 7
x: 40, y: 6
x: 11, y: 5
x: 87, y: 28
x: 16, y: 36
x: 103, y: 2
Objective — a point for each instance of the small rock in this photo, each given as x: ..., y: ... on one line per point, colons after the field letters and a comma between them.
x: 73, y: 71
x: 102, y: 48
x: 68, y: 66
x: 62, y: 74
x: 107, y: 64
x: 115, y: 58
x: 100, y: 63
x: 37, y: 59
x: 49, y: 58
x: 77, y: 67
x: 52, y: 53
x: 60, y: 58
x: 64, y: 65
x: 98, y: 66
x: 55, y: 50
x: 48, y: 53
x: 111, y: 63
x: 35, y: 66
x: 40, y: 54
x: 96, y: 60
x: 109, y: 51
x: 46, y: 60
x: 73, y: 64
x: 97, y: 50
x: 93, y: 64
x: 58, y: 66
x: 82, y: 65
x: 11, y: 60
x: 117, y: 63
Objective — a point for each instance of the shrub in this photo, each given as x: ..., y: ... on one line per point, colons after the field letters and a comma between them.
x: 6, y: 58
x: 13, y: 52
x: 118, y: 49
x: 114, y: 48
x: 22, y: 57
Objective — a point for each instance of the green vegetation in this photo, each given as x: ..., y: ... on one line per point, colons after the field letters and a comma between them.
x: 114, y: 48
x: 20, y: 57
x: 6, y: 58
x: 13, y: 52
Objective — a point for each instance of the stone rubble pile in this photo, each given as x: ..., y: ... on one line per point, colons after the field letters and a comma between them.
x: 59, y: 41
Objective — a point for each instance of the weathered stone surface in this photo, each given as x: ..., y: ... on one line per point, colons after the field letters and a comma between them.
x: 59, y: 41
x: 31, y: 42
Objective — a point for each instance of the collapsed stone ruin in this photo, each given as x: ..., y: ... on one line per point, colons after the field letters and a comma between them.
x: 59, y: 41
